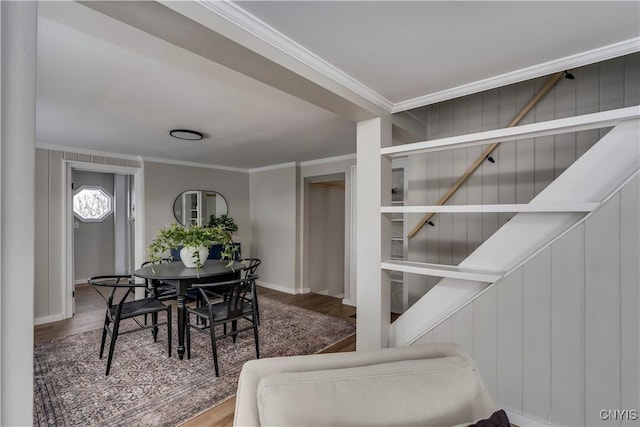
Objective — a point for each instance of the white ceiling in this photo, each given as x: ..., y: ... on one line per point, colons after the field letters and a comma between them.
x: 103, y: 85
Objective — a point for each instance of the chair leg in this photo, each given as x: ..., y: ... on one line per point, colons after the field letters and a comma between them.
x: 114, y: 336
x: 214, y: 347
x: 255, y: 335
x: 188, y: 336
x: 234, y: 327
x: 104, y: 335
x: 154, y: 323
x: 255, y: 303
x: 169, y: 330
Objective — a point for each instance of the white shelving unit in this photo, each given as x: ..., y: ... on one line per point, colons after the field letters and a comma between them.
x: 398, y: 265
x: 399, y: 244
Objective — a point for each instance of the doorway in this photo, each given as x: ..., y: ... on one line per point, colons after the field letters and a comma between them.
x: 103, y: 229
x: 326, y: 235
x: 100, y: 231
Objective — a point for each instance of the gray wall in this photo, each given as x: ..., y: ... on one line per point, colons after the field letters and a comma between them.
x: 326, y: 240
x: 558, y: 338
x: 93, y: 242
x: 274, y: 226
x: 164, y: 182
x: 48, y: 227
x: 521, y: 169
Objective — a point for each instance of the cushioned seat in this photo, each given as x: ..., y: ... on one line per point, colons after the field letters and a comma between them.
x: 420, y: 385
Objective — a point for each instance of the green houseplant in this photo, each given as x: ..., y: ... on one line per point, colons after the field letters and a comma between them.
x: 225, y: 221
x: 193, y: 238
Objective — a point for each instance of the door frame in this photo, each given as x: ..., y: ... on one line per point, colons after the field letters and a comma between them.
x: 67, y: 282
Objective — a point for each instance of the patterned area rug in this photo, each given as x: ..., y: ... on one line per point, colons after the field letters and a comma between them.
x: 145, y: 388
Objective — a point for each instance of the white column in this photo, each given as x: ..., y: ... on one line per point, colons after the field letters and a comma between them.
x: 373, y: 234
x: 17, y: 204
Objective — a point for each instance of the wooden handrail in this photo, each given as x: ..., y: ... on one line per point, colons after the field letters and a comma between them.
x: 536, y: 98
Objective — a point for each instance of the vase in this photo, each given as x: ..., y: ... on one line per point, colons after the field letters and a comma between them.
x: 188, y: 256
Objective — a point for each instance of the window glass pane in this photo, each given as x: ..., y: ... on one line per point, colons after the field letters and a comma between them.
x: 92, y: 204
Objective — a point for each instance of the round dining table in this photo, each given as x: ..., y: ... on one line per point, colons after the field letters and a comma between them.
x: 181, y: 278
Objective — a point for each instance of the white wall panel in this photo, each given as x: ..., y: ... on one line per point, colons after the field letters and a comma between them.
x: 631, y: 87
x: 510, y: 345
x: 602, y: 300
x: 558, y: 338
x: 485, y: 333
x: 567, y: 331
x: 461, y: 330
x: 630, y: 298
x: 536, y: 333
x: 488, y: 170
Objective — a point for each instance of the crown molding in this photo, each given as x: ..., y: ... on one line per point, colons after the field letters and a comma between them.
x: 273, y: 167
x: 585, y: 58
x: 329, y: 160
x: 193, y: 164
x: 263, y: 31
x: 86, y: 151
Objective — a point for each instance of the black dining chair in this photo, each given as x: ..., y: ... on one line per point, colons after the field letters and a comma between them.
x: 224, y: 302
x: 119, y: 307
x: 251, y: 269
x: 156, y: 288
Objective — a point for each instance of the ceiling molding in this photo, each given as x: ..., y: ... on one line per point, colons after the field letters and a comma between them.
x: 329, y: 160
x: 86, y: 151
x: 193, y: 164
x: 274, y: 167
x: 570, y: 62
x: 260, y: 29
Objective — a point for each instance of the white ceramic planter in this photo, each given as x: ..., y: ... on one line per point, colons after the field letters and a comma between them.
x: 188, y: 258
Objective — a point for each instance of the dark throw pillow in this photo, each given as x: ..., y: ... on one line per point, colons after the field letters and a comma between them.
x: 497, y: 419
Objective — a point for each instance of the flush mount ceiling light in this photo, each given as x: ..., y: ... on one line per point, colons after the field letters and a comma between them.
x: 189, y: 135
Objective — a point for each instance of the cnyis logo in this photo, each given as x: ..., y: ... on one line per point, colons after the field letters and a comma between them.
x: 619, y: 414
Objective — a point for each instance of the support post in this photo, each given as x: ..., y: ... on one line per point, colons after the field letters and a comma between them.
x: 18, y: 23
x: 373, y: 233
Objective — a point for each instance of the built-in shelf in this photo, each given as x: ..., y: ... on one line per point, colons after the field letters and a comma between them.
x: 441, y: 270
x: 533, y: 130
x: 530, y: 207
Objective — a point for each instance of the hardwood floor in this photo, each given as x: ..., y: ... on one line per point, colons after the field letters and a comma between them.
x: 90, y: 315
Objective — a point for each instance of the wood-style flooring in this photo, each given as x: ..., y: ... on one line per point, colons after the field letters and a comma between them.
x: 90, y: 315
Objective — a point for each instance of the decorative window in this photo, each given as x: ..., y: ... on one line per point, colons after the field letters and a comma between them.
x: 92, y: 203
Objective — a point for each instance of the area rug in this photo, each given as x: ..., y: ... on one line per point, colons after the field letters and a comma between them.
x: 146, y: 388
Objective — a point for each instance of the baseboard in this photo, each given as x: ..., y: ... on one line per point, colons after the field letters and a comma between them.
x: 80, y: 281
x: 275, y: 287
x: 347, y: 301
x: 48, y: 319
x: 523, y: 420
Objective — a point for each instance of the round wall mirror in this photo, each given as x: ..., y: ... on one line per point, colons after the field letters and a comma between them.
x: 197, y: 206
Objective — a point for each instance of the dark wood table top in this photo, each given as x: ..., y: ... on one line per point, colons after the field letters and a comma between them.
x: 176, y: 270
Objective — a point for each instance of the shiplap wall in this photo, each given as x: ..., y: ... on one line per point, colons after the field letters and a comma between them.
x: 558, y: 339
x: 521, y: 169
x: 48, y: 232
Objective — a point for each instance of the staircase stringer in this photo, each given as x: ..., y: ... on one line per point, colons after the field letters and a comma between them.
x: 528, y: 258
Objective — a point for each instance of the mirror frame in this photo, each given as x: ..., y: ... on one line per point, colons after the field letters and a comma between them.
x: 203, y: 192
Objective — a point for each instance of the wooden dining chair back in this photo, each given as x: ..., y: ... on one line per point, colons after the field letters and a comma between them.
x: 223, y: 303
x: 116, y: 291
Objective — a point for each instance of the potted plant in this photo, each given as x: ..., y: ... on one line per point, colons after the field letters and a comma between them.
x: 227, y: 223
x: 194, y: 241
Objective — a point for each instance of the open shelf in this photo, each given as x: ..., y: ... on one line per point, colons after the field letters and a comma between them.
x: 527, y: 207
x: 441, y: 270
